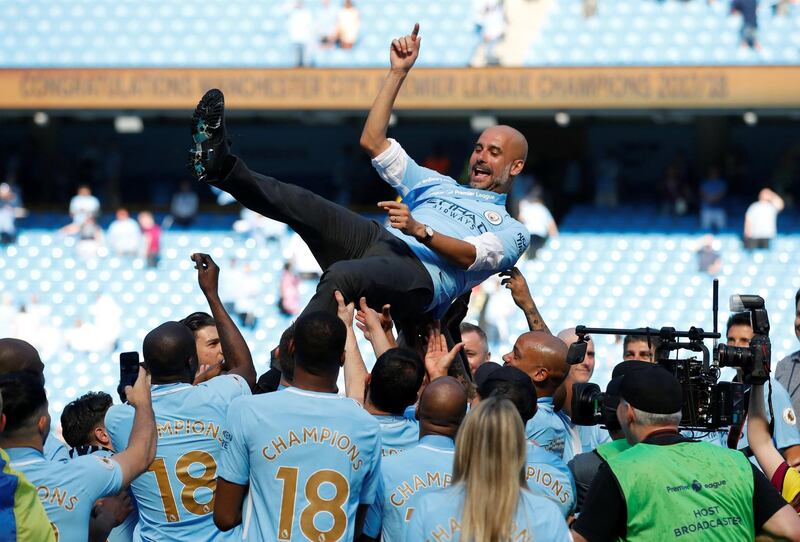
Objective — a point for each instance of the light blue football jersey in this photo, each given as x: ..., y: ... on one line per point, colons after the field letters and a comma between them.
x: 176, y: 494
x: 123, y: 532
x: 404, y: 477
x: 397, y: 433
x: 55, y: 450
x: 309, y: 458
x: 591, y: 437
x: 437, y: 518
x: 549, y: 476
x: 552, y: 430
x: 455, y: 210
x: 784, y: 435
x: 68, y: 490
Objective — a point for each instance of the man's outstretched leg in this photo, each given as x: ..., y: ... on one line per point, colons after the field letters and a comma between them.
x: 332, y: 232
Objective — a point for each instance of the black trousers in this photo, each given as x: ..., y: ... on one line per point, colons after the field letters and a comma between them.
x: 358, y: 256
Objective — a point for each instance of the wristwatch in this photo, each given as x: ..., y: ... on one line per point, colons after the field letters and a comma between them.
x: 428, y: 234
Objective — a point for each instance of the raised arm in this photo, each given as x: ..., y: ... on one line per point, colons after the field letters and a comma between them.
x: 141, y: 450
x: 515, y: 281
x: 377, y: 328
x: 776, y: 200
x: 403, y: 53
x: 355, y: 372
x: 238, y: 358
x: 758, y: 436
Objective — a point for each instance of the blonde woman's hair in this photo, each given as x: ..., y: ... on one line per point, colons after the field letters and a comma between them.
x: 489, y: 464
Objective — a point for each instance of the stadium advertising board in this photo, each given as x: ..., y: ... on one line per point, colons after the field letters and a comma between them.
x: 444, y: 89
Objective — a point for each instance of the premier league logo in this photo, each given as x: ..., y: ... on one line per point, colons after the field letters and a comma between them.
x: 696, y: 486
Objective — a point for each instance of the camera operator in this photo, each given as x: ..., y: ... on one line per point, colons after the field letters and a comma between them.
x: 639, y: 347
x: 786, y: 436
x: 667, y: 486
x: 787, y: 371
x: 783, y: 477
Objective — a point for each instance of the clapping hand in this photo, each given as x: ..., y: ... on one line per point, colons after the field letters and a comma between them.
x: 438, y: 359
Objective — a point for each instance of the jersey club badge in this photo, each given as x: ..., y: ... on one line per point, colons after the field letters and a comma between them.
x: 493, y: 217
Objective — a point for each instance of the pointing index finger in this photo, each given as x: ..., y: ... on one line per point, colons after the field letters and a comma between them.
x: 415, y: 32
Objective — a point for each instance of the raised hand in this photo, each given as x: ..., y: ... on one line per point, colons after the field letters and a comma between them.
x: 400, y: 218
x: 138, y: 395
x: 438, y: 359
x: 344, y: 310
x: 370, y: 322
x: 516, y: 283
x: 207, y: 272
x: 521, y: 294
x: 404, y: 51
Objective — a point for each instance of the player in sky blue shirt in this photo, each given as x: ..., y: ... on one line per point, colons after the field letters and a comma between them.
x: 549, y: 476
x: 83, y: 429
x: 552, y: 431
x: 543, y: 357
x: 426, y: 466
x: 175, y: 496
x: 545, y: 472
x: 304, y: 462
x: 68, y: 494
x: 398, y: 433
x: 391, y: 393
x: 19, y: 355
x: 301, y: 447
x: 68, y: 490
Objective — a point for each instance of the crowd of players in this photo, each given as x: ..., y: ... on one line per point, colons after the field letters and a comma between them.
x: 437, y: 442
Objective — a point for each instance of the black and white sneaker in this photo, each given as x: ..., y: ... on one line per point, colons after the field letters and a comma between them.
x: 211, y: 144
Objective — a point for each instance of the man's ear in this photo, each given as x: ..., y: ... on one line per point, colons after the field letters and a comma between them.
x: 541, y: 374
x: 192, y: 364
x: 101, y: 436
x: 516, y: 167
x: 291, y: 348
x: 2, y: 422
x: 630, y: 414
x: 43, y: 425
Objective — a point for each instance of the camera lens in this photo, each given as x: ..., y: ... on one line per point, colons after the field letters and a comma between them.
x: 734, y: 356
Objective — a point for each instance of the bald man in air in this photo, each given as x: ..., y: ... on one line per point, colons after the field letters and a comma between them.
x: 543, y: 357
x: 440, y: 411
x: 441, y: 240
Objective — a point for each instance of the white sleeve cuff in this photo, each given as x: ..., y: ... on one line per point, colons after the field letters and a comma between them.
x: 391, y: 166
x: 488, y: 251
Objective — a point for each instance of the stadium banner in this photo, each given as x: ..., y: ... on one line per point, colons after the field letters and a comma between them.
x: 426, y: 88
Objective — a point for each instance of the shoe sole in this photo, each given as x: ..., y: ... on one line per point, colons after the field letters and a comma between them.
x: 208, y: 115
